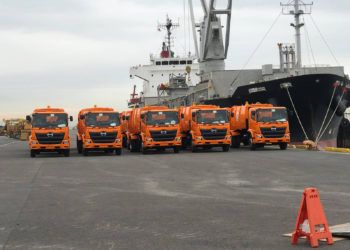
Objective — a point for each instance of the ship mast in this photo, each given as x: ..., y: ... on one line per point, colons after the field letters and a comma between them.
x: 297, y: 8
x: 168, y: 26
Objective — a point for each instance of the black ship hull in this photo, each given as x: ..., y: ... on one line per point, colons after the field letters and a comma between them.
x: 311, y: 95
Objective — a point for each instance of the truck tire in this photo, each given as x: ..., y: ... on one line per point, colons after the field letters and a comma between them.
x: 283, y: 146
x: 194, y: 149
x: 118, y: 151
x: 176, y: 150
x: 79, y: 146
x: 252, y: 144
x: 32, y: 153
x: 225, y: 148
x: 132, y: 146
x: 85, y: 152
x: 235, y: 141
x: 66, y: 153
x: 142, y: 148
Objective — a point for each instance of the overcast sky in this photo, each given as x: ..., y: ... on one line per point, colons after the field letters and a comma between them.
x: 77, y: 53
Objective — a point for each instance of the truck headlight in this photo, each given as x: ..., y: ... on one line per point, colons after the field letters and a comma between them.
x: 228, y: 137
x: 87, y: 141
x: 34, y: 142
x: 117, y: 140
x: 65, y: 142
x: 149, y: 139
x: 178, y: 139
x: 259, y: 136
x: 286, y: 135
x: 199, y: 138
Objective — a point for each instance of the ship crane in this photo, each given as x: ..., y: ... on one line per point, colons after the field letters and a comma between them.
x: 134, y: 99
x: 212, y: 51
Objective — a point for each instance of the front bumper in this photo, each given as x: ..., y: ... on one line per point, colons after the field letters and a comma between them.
x: 50, y: 147
x: 211, y: 142
x: 271, y: 140
x: 103, y: 145
x: 162, y: 144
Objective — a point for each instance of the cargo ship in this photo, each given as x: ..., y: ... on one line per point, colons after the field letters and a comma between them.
x: 316, y: 96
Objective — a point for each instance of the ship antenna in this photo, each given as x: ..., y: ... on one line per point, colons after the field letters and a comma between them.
x: 297, y: 8
x: 169, y: 26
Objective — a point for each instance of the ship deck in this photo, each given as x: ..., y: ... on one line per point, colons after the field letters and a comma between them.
x: 207, y: 200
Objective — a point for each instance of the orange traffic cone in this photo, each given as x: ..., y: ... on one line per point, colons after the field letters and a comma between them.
x: 311, y: 213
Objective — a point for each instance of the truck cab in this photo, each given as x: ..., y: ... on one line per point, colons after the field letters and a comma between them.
x: 258, y: 125
x: 99, y: 129
x: 49, y: 132
x: 205, y: 126
x: 154, y: 127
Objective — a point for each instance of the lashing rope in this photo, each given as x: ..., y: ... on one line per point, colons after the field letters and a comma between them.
x: 329, y: 107
x: 296, y: 112
x: 330, y: 120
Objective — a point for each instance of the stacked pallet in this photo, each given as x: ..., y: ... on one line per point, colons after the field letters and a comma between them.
x: 25, y: 132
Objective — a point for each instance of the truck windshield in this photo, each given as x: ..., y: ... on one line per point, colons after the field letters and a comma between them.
x: 102, y: 119
x: 272, y: 115
x: 50, y: 120
x: 212, y: 116
x: 162, y: 118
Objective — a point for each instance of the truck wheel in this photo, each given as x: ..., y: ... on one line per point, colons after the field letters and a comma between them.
x: 125, y: 142
x: 235, y: 142
x: 283, y: 146
x: 183, y: 143
x: 32, y: 153
x: 143, y: 149
x: 194, y: 149
x: 66, y: 153
x: 176, y: 150
x: 253, y: 146
x: 226, y: 148
x: 80, y: 146
x: 132, y: 146
x: 85, y: 152
x: 118, y: 151
x: 246, y: 140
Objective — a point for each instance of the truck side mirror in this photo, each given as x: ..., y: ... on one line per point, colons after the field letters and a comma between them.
x: 142, y: 116
x: 28, y: 118
x: 71, y: 118
x: 232, y: 114
x: 193, y: 116
x: 123, y: 117
x: 182, y: 116
x: 82, y: 117
x: 253, y: 115
x: 127, y: 118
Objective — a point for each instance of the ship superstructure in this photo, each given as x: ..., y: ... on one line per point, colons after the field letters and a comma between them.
x: 161, y: 76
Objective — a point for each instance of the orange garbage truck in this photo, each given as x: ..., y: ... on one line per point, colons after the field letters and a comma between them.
x: 49, y: 132
x: 205, y: 126
x: 257, y: 125
x: 154, y: 127
x: 99, y: 129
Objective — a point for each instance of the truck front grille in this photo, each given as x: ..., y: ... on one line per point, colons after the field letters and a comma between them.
x: 273, y: 132
x: 163, y: 135
x: 50, y: 138
x: 214, y: 134
x: 103, y: 137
